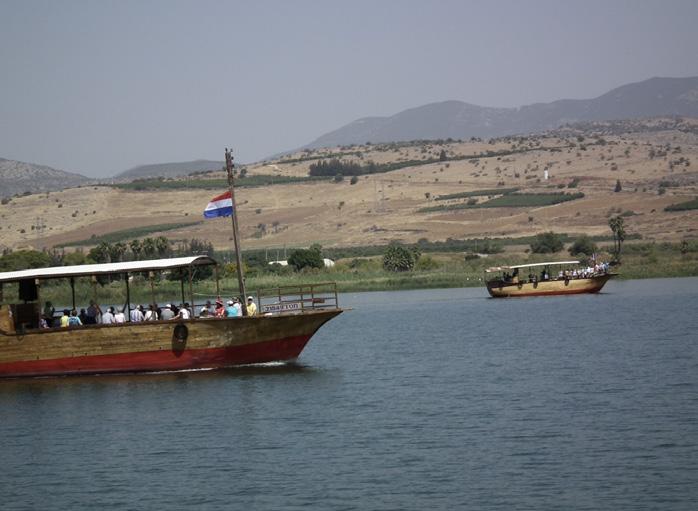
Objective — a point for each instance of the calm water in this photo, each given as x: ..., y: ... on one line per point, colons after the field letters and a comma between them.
x: 414, y: 400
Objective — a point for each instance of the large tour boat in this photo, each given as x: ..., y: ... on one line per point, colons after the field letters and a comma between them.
x: 286, y: 319
x: 546, y: 278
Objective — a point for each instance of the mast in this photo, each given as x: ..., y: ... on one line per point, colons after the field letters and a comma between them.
x: 234, y: 217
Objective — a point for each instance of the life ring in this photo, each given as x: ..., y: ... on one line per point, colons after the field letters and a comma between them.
x: 180, y: 334
x: 567, y: 281
x: 535, y: 284
x: 520, y: 285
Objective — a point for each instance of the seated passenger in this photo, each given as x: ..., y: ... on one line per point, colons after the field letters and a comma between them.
x: 93, y: 313
x: 166, y: 313
x: 65, y: 318
x: 230, y: 310
x: 74, y: 320
x: 136, y: 314
x: 220, y: 310
x: 206, y: 310
x: 151, y: 314
x: 49, y: 311
x: 251, y: 307
x: 120, y: 317
x: 108, y: 317
x: 183, y: 312
x: 82, y: 316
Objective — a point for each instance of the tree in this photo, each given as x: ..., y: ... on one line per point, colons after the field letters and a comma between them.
x: 306, y: 258
x: 547, y: 243
x: 583, y: 245
x: 24, y: 260
x: 616, y: 225
x: 101, y: 253
x: 136, y: 248
x: 398, y: 258
x: 162, y: 245
x: 442, y: 155
x: 618, y: 187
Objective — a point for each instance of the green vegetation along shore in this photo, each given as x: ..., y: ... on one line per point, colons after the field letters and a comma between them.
x: 642, y: 260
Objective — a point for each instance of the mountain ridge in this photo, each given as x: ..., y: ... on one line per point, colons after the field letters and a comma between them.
x: 456, y: 119
x: 18, y: 177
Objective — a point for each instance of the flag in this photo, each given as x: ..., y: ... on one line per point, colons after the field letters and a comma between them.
x: 219, y: 206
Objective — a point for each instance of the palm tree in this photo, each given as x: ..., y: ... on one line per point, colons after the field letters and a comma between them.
x: 148, y: 247
x: 162, y: 245
x: 136, y: 249
x: 616, y: 225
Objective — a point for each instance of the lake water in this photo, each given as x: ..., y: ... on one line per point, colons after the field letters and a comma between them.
x: 437, y: 399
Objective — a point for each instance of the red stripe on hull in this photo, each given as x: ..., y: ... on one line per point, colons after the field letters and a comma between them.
x: 269, y: 351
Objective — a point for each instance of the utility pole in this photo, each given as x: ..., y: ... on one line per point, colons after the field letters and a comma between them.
x: 234, y: 217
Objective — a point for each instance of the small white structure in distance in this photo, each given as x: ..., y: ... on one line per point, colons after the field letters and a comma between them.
x: 329, y: 263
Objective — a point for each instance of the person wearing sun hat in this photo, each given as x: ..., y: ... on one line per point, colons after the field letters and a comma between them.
x: 251, y: 307
x: 220, y: 309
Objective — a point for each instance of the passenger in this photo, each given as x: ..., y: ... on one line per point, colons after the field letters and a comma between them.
x: 220, y: 310
x: 175, y: 309
x: 74, y: 320
x: 151, y: 314
x: 251, y: 307
x: 206, y: 310
x: 82, y: 316
x: 120, y: 317
x: 49, y: 311
x: 238, y: 306
x: 230, y: 310
x: 183, y: 312
x: 42, y: 323
x: 65, y: 318
x: 108, y: 317
x: 167, y: 313
x: 93, y: 314
x: 137, y: 314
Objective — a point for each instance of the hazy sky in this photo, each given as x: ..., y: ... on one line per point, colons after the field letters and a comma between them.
x: 97, y: 87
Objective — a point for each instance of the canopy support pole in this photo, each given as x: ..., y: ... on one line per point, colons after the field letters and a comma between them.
x: 128, y: 300
x: 152, y: 287
x: 72, y: 290
x: 191, y: 293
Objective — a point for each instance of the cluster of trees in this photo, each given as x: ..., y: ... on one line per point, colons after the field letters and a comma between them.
x: 335, y: 166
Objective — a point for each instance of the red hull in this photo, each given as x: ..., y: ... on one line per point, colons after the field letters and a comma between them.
x: 207, y: 358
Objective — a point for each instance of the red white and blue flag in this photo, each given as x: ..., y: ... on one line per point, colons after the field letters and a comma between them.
x: 219, y: 206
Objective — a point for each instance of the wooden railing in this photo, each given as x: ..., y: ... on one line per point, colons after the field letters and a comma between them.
x: 297, y: 299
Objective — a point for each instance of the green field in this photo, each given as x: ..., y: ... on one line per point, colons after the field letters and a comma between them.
x: 477, y: 193
x: 683, y: 206
x: 512, y: 200
x: 213, y: 184
x: 126, y: 234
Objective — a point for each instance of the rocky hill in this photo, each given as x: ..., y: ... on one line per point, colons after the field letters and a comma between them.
x: 17, y: 177
x: 459, y: 120
x: 173, y: 169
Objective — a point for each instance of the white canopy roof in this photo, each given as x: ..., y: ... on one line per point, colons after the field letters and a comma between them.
x: 530, y: 265
x: 84, y: 270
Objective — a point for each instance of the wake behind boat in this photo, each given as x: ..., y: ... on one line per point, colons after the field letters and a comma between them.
x: 546, y: 278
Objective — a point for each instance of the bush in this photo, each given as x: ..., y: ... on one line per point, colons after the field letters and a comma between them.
x: 547, y: 243
x: 583, y: 245
x: 306, y: 258
x: 353, y: 180
x: 398, y: 258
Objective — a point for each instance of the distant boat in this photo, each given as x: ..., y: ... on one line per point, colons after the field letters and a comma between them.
x: 547, y: 278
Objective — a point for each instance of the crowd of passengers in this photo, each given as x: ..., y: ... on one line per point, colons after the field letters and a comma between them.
x: 94, y: 315
x: 575, y: 273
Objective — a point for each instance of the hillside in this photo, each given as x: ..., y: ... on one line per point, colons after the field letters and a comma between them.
x: 459, y: 120
x: 468, y: 194
x: 17, y: 177
x: 173, y: 169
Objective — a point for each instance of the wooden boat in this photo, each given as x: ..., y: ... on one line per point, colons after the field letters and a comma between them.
x: 547, y: 278
x: 288, y: 319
